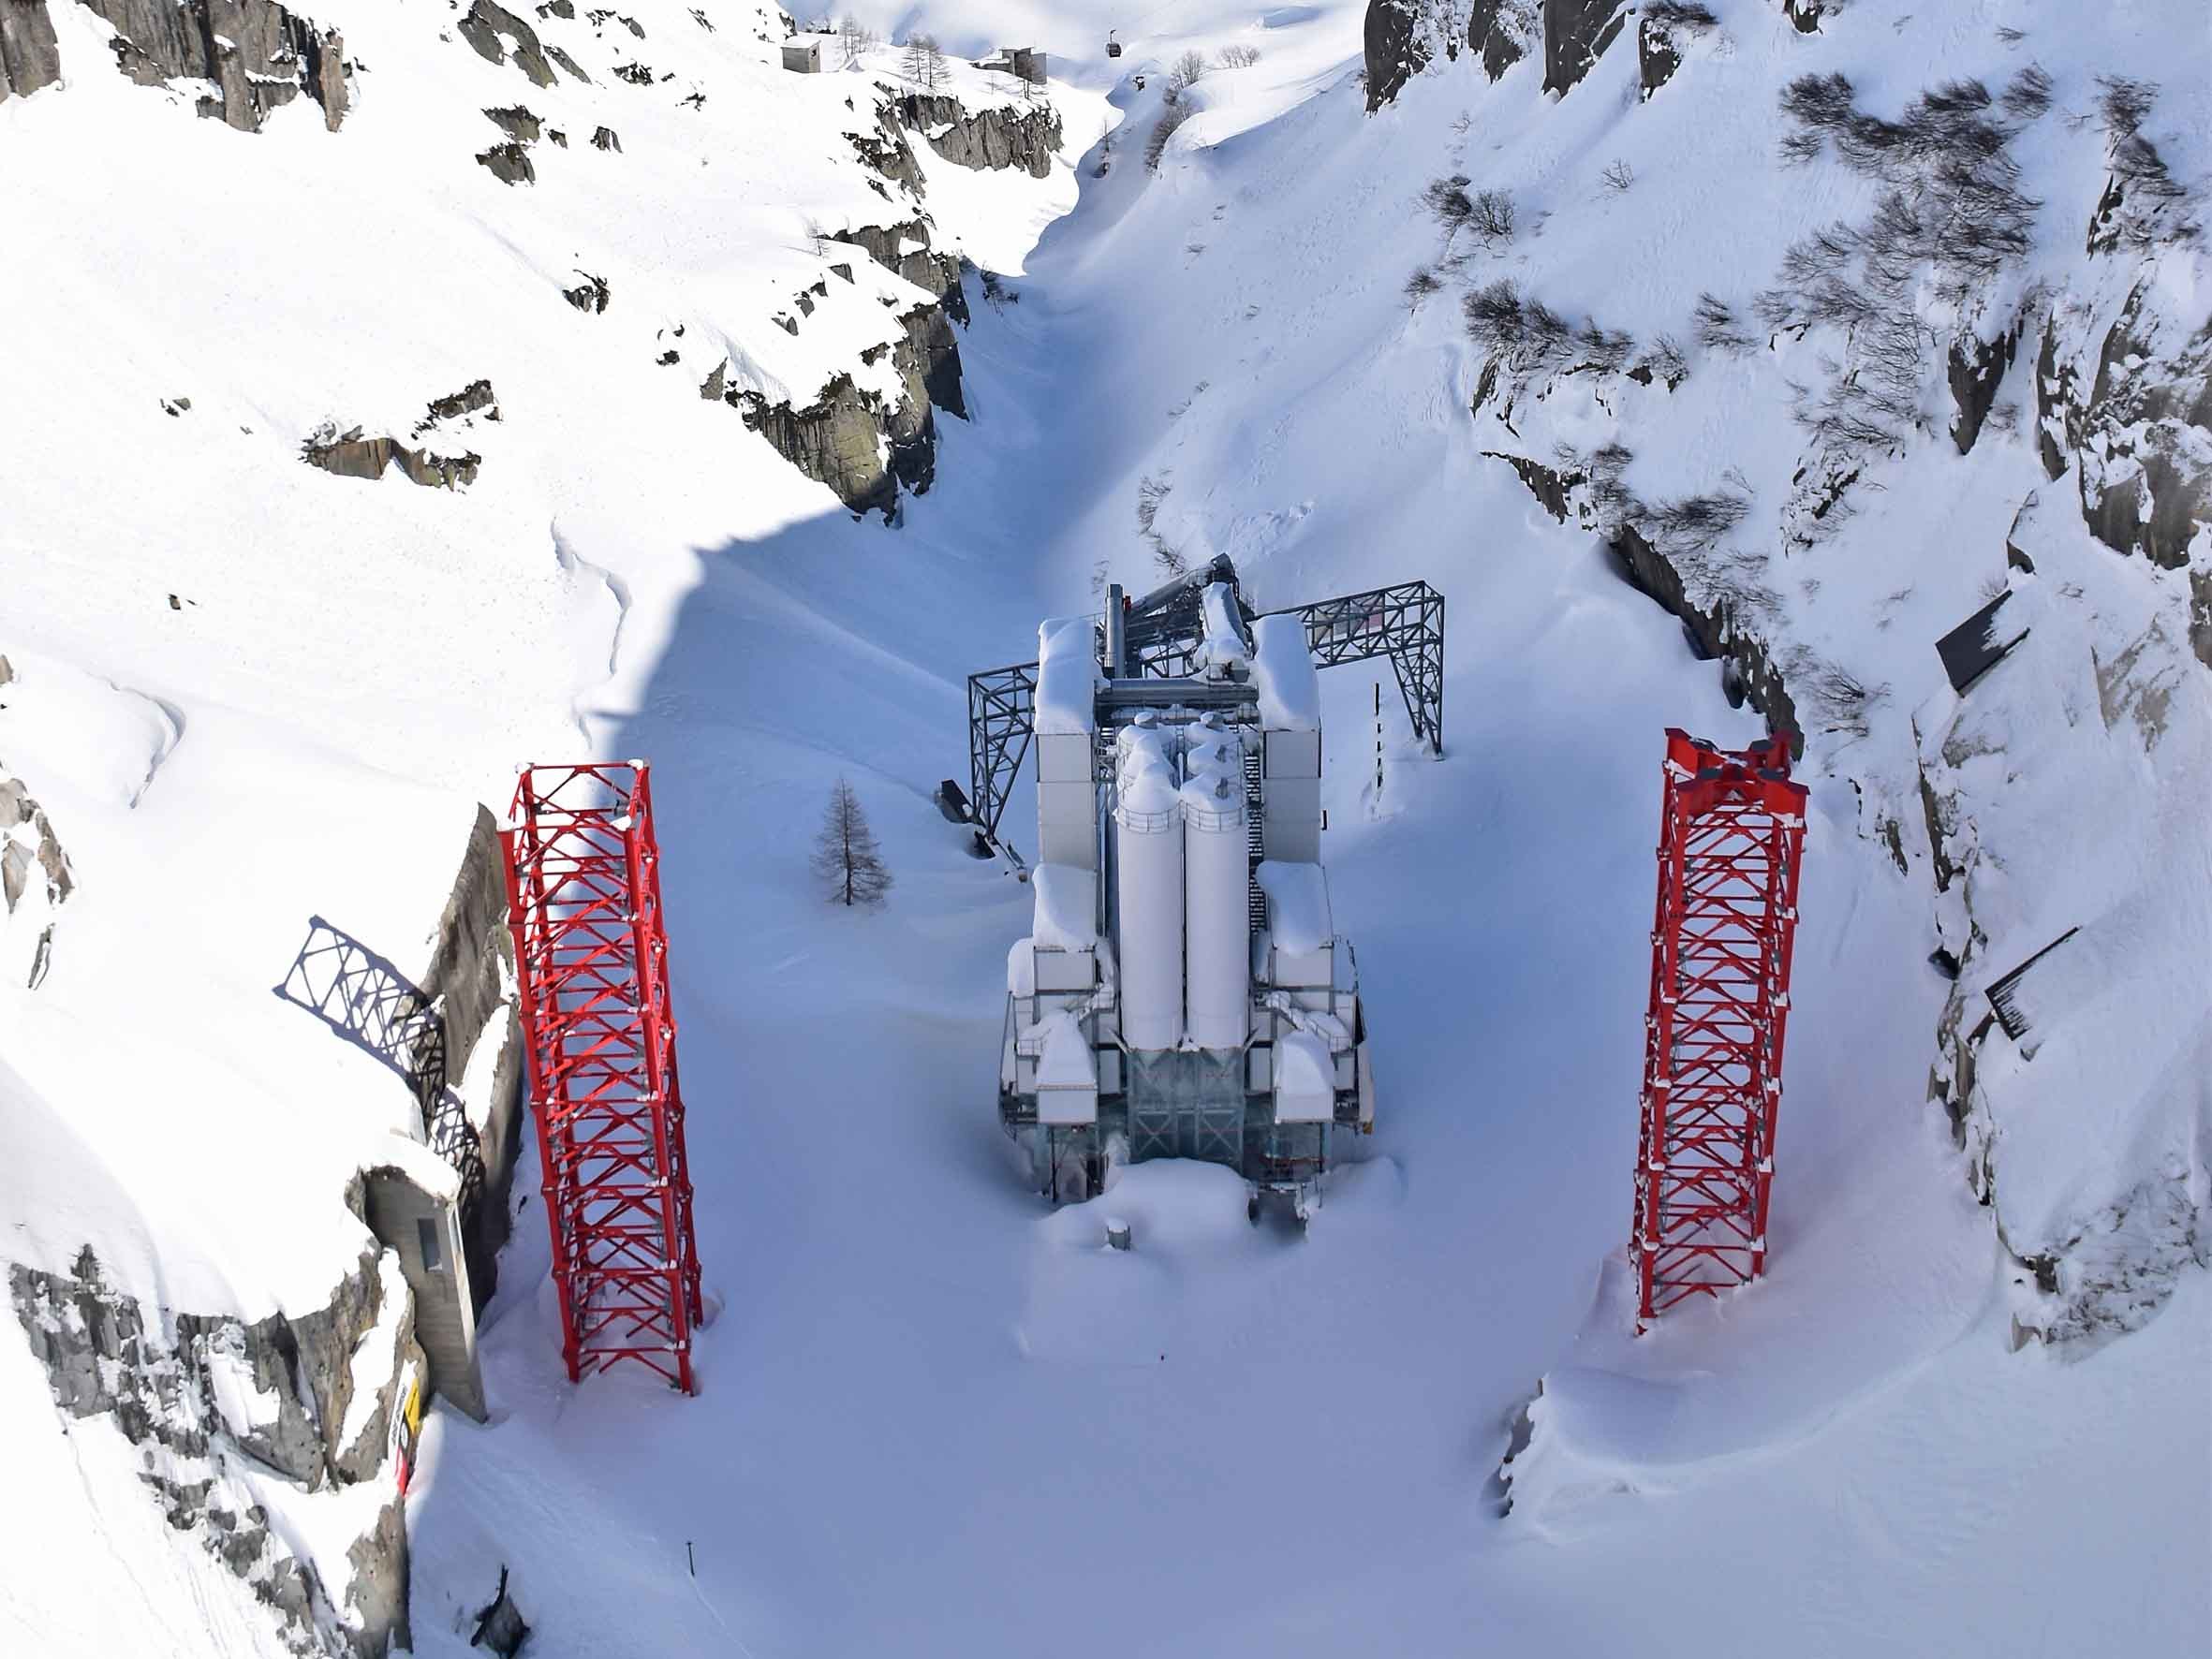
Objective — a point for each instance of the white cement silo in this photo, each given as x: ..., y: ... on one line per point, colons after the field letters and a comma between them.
x: 1148, y: 860
x: 1216, y: 912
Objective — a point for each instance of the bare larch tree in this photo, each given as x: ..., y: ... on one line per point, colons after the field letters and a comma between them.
x: 847, y: 860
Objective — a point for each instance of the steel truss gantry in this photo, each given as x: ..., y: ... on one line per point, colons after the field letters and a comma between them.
x: 584, y: 903
x: 1001, y: 713
x: 1160, y: 637
x: 1732, y: 832
x: 1403, y: 622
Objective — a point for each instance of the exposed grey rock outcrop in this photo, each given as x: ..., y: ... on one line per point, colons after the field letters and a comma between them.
x: 29, y: 56
x: 1709, y: 622
x: 904, y: 248
x: 474, y: 398
x: 518, y: 122
x: 1575, y: 36
x: 1976, y: 368
x: 1663, y: 34
x: 861, y: 445
x: 836, y: 440
x: 509, y: 164
x: 277, y: 1396
x: 499, y: 1625
x: 592, y: 295
x: 32, y: 861
x: 1656, y: 58
x: 1394, y: 48
x: 2138, y: 430
x: 259, y: 55
x: 1748, y: 672
x: 492, y: 30
x: 1494, y: 30
x: 987, y: 140
x: 351, y: 456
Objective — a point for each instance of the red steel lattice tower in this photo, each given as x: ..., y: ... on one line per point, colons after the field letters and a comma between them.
x: 1732, y: 830
x: 584, y: 902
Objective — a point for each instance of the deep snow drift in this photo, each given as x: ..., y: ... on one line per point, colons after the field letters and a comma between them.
x: 936, y: 1417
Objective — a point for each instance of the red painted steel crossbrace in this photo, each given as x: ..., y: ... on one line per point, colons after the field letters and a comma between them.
x: 584, y: 902
x: 1732, y: 833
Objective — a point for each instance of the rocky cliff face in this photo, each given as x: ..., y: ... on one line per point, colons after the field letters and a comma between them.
x: 865, y: 446
x: 1003, y: 136
x: 1396, y: 46
x: 1926, y: 354
x: 1575, y: 35
x: 242, y: 1426
x: 257, y: 55
x: 29, y: 58
x: 35, y: 879
x: 470, y: 982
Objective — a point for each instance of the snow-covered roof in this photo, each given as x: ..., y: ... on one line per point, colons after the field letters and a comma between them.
x: 1282, y: 669
x: 1067, y: 676
x: 1297, y: 903
x: 1304, y: 1079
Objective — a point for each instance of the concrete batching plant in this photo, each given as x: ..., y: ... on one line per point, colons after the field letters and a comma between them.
x: 1183, y: 991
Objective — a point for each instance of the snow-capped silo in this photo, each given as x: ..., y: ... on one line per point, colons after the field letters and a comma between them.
x: 1215, y: 884
x: 1148, y: 858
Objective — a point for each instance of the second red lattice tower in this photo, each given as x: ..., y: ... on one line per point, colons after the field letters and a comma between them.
x: 1732, y: 832
x: 591, y: 953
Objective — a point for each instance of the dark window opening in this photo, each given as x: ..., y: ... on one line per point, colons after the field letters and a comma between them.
x: 434, y: 1255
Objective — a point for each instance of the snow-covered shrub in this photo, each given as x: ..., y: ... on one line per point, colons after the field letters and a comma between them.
x: 2029, y: 94
x: 1952, y: 222
x: 1151, y: 492
x: 1493, y: 216
x: 2134, y: 210
x: 1238, y: 55
x: 1448, y: 200
x: 1717, y: 327
x: 1661, y: 360
x: 1187, y: 71
x: 1528, y: 337
x: 1156, y: 144
x: 1680, y: 14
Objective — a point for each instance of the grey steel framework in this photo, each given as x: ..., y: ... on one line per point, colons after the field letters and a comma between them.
x: 1002, y: 712
x: 1403, y: 622
x: 1160, y: 637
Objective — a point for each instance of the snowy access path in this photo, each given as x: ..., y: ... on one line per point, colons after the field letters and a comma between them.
x: 937, y: 1417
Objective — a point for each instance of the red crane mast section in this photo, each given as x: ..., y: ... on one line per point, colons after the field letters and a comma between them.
x: 591, y: 954
x: 1732, y: 833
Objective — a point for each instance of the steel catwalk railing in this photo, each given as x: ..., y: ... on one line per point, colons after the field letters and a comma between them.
x: 1732, y: 833
x: 1403, y: 622
x: 591, y: 950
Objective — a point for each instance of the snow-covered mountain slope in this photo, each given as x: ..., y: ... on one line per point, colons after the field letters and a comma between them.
x: 1940, y: 340
x: 935, y: 1417
x: 251, y: 707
